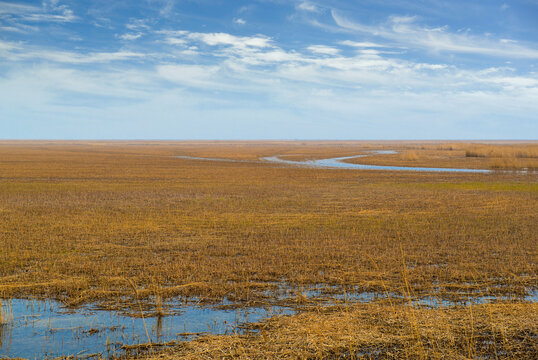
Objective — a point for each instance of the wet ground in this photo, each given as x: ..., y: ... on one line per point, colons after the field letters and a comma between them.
x: 36, y: 329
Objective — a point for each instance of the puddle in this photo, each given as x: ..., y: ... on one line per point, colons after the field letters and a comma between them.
x: 41, y: 329
x: 532, y: 295
x: 328, y: 295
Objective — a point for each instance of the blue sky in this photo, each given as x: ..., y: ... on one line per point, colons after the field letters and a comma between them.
x: 268, y: 69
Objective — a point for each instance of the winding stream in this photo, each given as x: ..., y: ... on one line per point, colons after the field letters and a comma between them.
x: 339, y: 163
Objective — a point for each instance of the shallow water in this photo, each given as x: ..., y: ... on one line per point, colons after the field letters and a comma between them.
x: 338, y: 163
x: 40, y: 329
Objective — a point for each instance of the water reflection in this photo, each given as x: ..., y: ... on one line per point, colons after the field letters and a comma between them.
x: 41, y: 329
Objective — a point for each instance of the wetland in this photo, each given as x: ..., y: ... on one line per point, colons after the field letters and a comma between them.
x: 116, y: 249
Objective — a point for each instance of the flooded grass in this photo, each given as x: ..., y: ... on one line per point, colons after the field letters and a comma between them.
x: 46, y: 329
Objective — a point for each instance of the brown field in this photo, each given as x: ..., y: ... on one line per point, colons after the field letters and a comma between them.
x: 85, y: 222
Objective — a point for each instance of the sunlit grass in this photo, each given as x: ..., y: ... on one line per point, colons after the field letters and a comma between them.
x: 81, y: 223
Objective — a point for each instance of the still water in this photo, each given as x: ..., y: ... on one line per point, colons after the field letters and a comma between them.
x: 37, y: 329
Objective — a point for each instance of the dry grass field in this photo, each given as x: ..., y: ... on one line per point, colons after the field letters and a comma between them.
x: 451, y: 257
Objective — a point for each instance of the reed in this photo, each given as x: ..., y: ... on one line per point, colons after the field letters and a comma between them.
x: 6, y: 313
x: 409, y: 155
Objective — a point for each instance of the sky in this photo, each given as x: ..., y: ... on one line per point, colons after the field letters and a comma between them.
x: 268, y: 69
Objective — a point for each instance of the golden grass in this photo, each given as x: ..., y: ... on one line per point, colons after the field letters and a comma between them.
x: 477, y: 155
x: 366, y: 331
x: 409, y: 155
x: 503, y: 151
x: 6, y: 318
x: 83, y: 222
x: 507, y: 156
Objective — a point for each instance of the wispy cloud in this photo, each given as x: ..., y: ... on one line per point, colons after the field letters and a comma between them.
x: 16, y: 51
x: 49, y: 12
x: 138, y: 25
x: 7, y: 46
x: 198, y: 76
x: 361, y: 44
x: 130, y: 36
x: 17, y: 9
x: 15, y: 28
x: 307, y: 6
x: 231, y: 40
x: 323, y: 49
x: 222, y: 59
x: 354, y: 71
x: 165, y: 7
x: 406, y: 32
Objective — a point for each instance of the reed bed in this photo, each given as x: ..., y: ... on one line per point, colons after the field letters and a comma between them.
x: 88, y: 222
x: 475, y: 155
x: 6, y: 319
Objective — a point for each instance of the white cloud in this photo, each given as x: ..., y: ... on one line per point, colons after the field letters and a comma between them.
x: 138, y: 25
x: 307, y: 6
x: 323, y: 49
x: 404, y: 31
x: 176, y: 41
x: 182, y: 37
x: 18, y: 27
x: 67, y: 16
x: 130, y: 36
x: 11, y: 28
x: 430, y: 66
x: 15, y: 52
x: 240, y: 21
x: 208, y: 77
x: 97, y: 57
x: 214, y: 39
x: 7, y: 46
x: 17, y: 9
x: 53, y: 81
x: 166, y: 7
x: 49, y: 12
x: 171, y: 33
x: 361, y: 44
x: 317, y: 80
x: 255, y: 63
